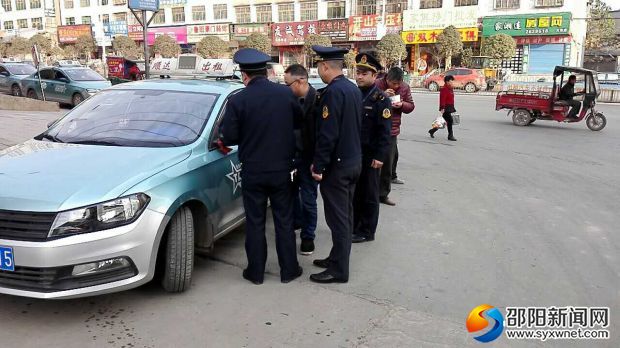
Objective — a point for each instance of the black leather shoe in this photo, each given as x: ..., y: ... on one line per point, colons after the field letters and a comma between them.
x: 387, y: 201
x: 431, y: 133
x: 324, y: 263
x: 300, y: 271
x: 358, y: 238
x: 452, y: 138
x: 325, y: 278
x: 247, y: 277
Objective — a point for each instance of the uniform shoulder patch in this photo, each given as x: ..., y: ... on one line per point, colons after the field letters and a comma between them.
x: 325, y: 112
x: 387, y: 113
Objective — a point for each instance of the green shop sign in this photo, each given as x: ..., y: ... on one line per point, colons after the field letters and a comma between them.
x: 527, y: 24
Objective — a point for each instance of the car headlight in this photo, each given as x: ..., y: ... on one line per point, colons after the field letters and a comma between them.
x: 98, y: 217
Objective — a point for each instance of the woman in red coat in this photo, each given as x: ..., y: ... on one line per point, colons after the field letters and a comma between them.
x: 446, y: 106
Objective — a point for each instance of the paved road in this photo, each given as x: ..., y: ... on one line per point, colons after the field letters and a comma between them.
x: 508, y: 216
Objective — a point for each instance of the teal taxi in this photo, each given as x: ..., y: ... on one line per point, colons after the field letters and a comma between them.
x: 124, y: 189
x: 69, y: 84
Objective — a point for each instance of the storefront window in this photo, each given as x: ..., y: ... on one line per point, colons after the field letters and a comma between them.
x: 465, y: 2
x: 286, y: 13
x: 395, y: 6
x: 549, y: 3
x: 335, y: 9
x: 263, y: 13
x: 178, y: 15
x: 503, y: 4
x: 516, y: 63
x: 198, y: 13
x: 309, y: 11
x: 37, y: 23
x: 35, y: 4
x: 366, y: 7
x: 220, y: 11
x: 243, y: 14
x: 430, y: 4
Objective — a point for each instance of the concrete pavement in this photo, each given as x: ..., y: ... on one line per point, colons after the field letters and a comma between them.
x: 510, y: 216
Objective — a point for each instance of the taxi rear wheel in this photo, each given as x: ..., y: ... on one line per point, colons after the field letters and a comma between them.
x: 77, y: 99
x: 178, y: 257
x: 32, y: 94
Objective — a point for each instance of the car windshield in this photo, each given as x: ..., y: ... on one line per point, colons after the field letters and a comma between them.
x: 83, y: 75
x: 139, y: 118
x: 22, y: 69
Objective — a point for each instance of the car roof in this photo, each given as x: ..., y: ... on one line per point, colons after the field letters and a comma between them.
x: 224, y: 87
x: 560, y: 69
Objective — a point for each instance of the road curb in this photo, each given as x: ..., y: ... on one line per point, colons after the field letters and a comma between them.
x: 8, y: 102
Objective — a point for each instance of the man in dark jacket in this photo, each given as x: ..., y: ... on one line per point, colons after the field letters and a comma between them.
x: 567, y: 93
x: 296, y: 77
x: 376, y: 127
x: 394, y: 87
x: 261, y: 119
x: 337, y: 160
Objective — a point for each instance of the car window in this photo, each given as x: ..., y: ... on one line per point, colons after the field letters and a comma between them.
x: 21, y: 69
x: 2, y: 69
x: 84, y: 75
x: 451, y: 72
x: 215, y: 132
x: 59, y: 75
x: 47, y: 74
x: 140, y: 118
x: 463, y: 72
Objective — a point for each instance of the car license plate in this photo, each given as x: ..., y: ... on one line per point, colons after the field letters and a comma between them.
x: 6, y: 259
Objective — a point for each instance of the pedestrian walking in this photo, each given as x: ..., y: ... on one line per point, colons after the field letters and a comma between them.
x: 446, y: 106
x: 296, y: 77
x: 376, y: 130
x: 402, y: 103
x: 337, y: 160
x: 261, y: 119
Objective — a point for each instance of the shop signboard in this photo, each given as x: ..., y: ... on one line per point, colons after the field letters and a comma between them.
x: 197, y: 32
x: 415, y: 37
x: 68, y: 34
x: 292, y: 33
x: 335, y: 29
x: 439, y: 18
x: 364, y: 28
x: 539, y: 24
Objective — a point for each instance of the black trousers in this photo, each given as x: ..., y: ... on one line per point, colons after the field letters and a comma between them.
x: 575, y: 107
x: 395, y: 164
x: 338, y: 189
x: 386, y: 170
x: 448, y: 117
x: 366, y: 201
x: 278, y: 188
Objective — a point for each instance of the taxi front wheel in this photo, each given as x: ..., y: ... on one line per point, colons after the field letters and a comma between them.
x: 77, y: 99
x: 179, y: 252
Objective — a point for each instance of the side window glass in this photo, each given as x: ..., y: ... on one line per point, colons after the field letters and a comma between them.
x: 2, y: 69
x: 451, y: 73
x: 47, y: 74
x: 59, y: 75
x: 216, y: 126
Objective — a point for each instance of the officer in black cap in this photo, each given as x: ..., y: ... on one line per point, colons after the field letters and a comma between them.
x: 262, y: 119
x: 376, y: 127
x: 337, y: 160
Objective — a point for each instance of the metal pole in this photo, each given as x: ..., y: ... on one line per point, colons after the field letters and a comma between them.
x: 145, y: 26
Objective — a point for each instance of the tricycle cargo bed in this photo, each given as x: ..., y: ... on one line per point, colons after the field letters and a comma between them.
x: 522, y: 99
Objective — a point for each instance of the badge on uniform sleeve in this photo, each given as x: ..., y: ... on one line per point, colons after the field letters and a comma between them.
x: 386, y: 113
x: 325, y: 112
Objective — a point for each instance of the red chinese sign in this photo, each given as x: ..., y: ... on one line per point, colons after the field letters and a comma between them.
x: 415, y: 37
x: 70, y: 33
x: 292, y: 33
x: 134, y: 31
x: 116, y: 66
x: 364, y: 28
x: 537, y: 40
x: 336, y: 29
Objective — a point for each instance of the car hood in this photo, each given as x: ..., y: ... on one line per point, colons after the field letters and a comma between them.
x: 48, y: 177
x: 92, y: 84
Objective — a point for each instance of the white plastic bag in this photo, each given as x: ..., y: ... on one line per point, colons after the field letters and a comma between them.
x: 439, y: 122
